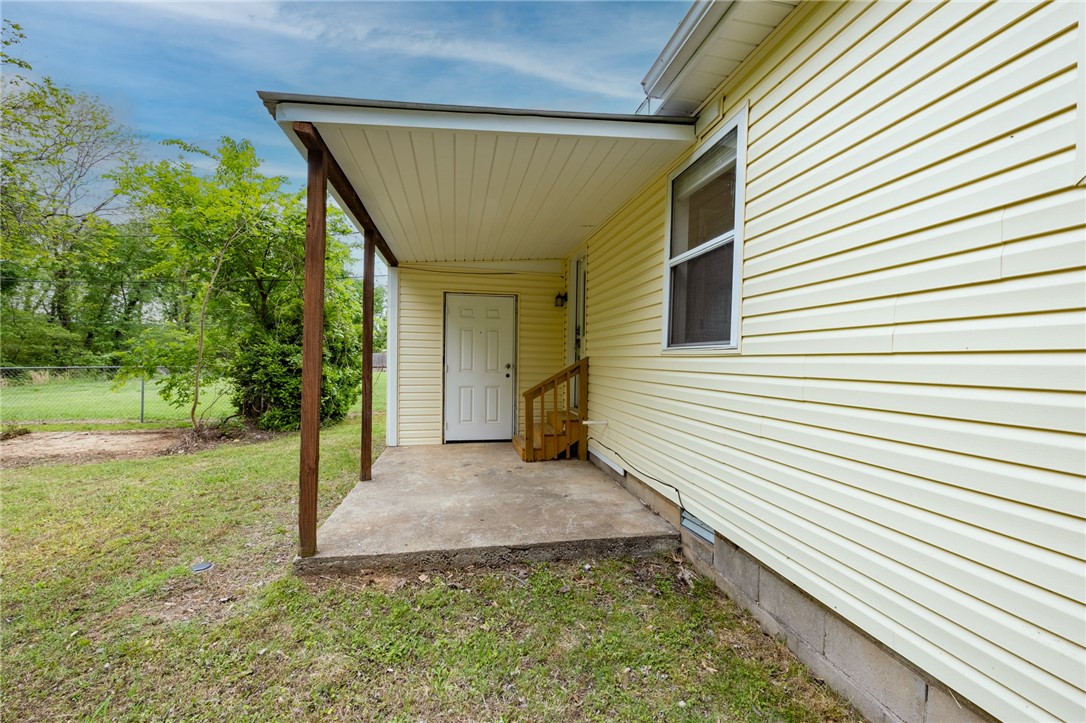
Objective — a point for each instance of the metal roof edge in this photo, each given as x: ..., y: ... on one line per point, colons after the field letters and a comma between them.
x: 272, y: 99
x: 698, y: 23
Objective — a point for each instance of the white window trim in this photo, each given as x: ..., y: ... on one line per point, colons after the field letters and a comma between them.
x: 737, y: 122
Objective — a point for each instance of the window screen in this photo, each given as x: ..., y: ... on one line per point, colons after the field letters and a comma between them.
x: 701, y: 299
x: 702, y: 248
x: 703, y: 198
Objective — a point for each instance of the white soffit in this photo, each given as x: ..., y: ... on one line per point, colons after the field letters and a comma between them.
x: 456, y: 184
x: 709, y: 44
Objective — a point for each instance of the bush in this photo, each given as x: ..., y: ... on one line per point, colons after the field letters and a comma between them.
x: 267, y: 378
x: 28, y: 339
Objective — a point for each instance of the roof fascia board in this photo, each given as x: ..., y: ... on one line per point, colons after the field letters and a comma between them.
x: 271, y: 99
x: 486, y: 122
x: 698, y: 23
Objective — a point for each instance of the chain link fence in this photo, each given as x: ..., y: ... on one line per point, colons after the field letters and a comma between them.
x: 89, y: 394
x: 93, y: 394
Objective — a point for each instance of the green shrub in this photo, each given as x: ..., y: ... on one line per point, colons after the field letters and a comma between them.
x: 28, y: 339
x: 266, y: 375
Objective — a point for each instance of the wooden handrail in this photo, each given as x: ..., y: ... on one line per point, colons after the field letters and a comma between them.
x: 578, y: 367
x: 564, y: 378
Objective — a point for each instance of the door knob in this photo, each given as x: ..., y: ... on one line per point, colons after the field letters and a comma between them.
x: 508, y: 366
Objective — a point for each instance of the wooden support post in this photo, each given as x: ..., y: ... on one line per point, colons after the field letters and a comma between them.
x: 366, y: 464
x: 312, y: 343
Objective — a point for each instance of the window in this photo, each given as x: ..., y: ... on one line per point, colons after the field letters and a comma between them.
x: 703, y: 261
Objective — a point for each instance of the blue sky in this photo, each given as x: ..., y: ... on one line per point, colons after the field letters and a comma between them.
x: 190, y: 70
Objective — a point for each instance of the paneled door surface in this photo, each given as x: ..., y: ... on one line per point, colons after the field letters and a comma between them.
x: 479, y: 367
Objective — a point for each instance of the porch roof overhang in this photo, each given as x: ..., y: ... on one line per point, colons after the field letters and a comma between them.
x: 460, y: 183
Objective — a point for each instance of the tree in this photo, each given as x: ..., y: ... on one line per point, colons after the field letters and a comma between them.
x: 56, y: 145
x: 234, y: 241
x: 380, y: 319
x: 11, y: 35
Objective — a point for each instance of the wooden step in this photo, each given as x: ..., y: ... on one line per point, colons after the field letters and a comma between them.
x: 522, y: 448
x: 554, y: 439
x: 518, y: 444
x: 549, y: 445
x: 561, y: 415
x: 571, y: 431
x: 556, y: 431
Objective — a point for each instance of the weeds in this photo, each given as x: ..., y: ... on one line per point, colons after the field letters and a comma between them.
x: 11, y: 430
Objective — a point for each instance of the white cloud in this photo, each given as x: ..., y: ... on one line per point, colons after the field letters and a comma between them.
x: 258, y: 17
x: 413, y: 30
x: 190, y: 69
x: 546, y: 66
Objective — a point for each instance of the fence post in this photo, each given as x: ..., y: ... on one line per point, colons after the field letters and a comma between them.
x: 143, y: 381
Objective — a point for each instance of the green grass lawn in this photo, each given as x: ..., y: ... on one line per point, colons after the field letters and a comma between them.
x: 65, y: 400
x: 103, y: 619
x: 380, y: 385
x: 95, y: 403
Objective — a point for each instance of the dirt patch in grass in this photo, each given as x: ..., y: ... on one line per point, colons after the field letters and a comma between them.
x: 84, y: 447
x: 213, y: 436
x: 211, y: 596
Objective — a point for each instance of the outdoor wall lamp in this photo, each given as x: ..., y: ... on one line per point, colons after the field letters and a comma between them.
x: 560, y: 298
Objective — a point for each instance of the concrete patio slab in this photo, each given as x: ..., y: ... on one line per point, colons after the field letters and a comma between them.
x: 456, y: 505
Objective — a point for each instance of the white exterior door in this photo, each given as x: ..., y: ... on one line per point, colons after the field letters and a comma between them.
x: 479, y: 367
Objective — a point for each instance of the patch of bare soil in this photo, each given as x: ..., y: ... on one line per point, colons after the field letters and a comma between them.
x: 213, y: 436
x: 84, y: 447
x: 34, y: 448
x: 212, y: 595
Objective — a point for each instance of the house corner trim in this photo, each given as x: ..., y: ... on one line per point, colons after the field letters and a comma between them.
x: 392, y: 358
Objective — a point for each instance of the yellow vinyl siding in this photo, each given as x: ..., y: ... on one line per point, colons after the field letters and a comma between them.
x: 902, y: 434
x: 422, y: 288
